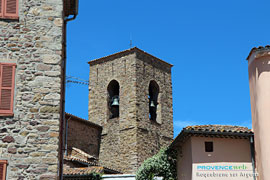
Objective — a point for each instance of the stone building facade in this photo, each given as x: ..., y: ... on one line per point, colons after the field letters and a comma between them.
x: 137, y: 81
x: 32, y: 37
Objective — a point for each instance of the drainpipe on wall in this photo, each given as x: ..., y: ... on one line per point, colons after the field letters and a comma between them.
x: 63, y: 121
x: 252, y: 155
x: 70, y: 19
x: 66, y: 135
x: 62, y: 106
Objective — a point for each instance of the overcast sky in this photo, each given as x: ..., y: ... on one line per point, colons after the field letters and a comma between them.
x: 206, y: 41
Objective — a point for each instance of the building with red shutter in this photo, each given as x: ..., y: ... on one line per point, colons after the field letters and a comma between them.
x: 32, y: 71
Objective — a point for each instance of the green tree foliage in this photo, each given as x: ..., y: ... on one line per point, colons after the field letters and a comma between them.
x: 92, y: 176
x: 96, y: 176
x: 162, y: 164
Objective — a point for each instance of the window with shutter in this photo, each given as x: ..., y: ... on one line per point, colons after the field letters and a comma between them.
x: 9, y: 9
x: 3, y: 169
x: 7, y: 77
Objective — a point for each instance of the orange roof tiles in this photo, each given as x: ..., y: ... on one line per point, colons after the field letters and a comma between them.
x: 83, y: 170
x: 260, y: 48
x: 212, y: 131
x: 219, y: 128
x: 124, y: 53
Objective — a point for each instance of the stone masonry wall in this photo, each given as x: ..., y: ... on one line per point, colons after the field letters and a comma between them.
x: 153, y: 135
x: 83, y: 136
x: 29, y: 140
x: 133, y: 137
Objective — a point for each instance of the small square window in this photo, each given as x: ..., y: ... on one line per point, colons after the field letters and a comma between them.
x: 208, y: 146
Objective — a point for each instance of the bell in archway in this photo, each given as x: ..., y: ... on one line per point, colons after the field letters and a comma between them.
x: 152, y: 104
x: 115, y: 101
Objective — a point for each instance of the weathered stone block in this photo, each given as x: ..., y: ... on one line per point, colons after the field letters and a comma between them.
x: 12, y: 150
x: 37, y: 154
x: 54, y: 134
x: 49, y: 109
x: 52, y: 96
x: 43, y: 67
x: 8, y: 139
x: 49, y: 147
x: 51, y: 59
x: 43, y: 128
x: 24, y: 133
x: 47, y: 177
x: 49, y: 160
x: 58, y: 22
x: 33, y: 110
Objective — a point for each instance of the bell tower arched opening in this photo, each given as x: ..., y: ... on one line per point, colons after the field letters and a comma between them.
x: 153, y: 100
x: 113, y: 99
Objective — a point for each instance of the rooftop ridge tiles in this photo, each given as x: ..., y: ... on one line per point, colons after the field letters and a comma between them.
x: 72, y: 158
x: 266, y: 47
x: 128, y: 51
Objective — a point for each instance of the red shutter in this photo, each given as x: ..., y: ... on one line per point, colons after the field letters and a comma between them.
x: 7, y: 77
x: 11, y: 9
x: 3, y: 169
x: 1, y: 8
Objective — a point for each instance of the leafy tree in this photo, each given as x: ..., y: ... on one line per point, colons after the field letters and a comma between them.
x: 162, y: 164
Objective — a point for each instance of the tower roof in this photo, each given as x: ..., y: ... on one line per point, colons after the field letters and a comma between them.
x: 125, y: 53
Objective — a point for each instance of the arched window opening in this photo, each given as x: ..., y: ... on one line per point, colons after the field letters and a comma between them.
x: 113, y: 99
x: 153, y: 100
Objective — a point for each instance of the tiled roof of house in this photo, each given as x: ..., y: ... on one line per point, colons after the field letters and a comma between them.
x: 226, y: 131
x: 218, y: 128
x: 83, y: 170
x: 79, y: 160
x: 92, y: 167
x: 260, y: 48
x: 124, y: 53
x: 86, y: 160
x: 77, y: 155
x: 81, y: 154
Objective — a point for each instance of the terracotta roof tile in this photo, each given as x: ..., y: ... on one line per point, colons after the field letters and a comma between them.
x: 260, y: 48
x: 81, y: 154
x: 86, y: 159
x: 218, y: 128
x: 83, y: 170
x: 76, y: 159
x: 124, y: 53
x: 212, y: 131
x: 90, y: 164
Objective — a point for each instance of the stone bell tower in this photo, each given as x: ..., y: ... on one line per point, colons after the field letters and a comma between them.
x: 130, y: 96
